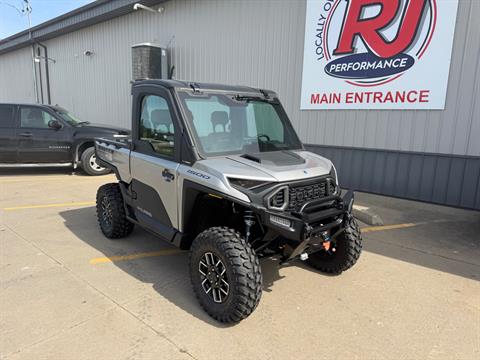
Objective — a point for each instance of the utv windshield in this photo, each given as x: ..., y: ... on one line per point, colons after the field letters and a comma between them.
x: 226, y: 124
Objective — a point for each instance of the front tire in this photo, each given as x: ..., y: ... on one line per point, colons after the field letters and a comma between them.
x: 225, y: 274
x: 348, y: 247
x: 90, y: 165
x: 111, y: 212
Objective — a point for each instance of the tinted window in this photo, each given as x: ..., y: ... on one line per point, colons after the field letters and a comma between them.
x: 156, y: 125
x: 6, y: 116
x: 34, y: 118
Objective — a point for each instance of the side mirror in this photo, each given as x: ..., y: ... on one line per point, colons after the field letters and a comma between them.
x: 54, y: 124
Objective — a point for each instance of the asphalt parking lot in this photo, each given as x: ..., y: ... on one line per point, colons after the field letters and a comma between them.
x: 69, y: 293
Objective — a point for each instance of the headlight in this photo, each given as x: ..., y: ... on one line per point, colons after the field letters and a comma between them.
x: 246, y: 183
x: 281, y: 221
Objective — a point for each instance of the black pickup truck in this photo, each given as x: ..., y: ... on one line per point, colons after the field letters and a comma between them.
x: 45, y: 134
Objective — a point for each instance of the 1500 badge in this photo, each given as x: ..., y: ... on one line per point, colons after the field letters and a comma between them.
x: 199, y: 174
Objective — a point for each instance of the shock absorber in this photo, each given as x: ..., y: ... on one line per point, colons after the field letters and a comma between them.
x: 249, y: 220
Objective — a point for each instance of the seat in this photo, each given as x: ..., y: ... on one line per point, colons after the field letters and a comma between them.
x: 162, y: 121
x: 218, y: 141
x: 219, y: 118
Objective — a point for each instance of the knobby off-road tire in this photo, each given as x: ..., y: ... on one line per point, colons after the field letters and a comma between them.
x: 348, y: 246
x: 111, y: 212
x: 89, y: 164
x: 238, y: 266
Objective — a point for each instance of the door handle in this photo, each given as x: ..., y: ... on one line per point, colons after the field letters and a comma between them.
x: 26, y: 134
x: 167, y: 175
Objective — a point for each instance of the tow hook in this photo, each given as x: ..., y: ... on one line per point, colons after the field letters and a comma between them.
x: 327, y: 242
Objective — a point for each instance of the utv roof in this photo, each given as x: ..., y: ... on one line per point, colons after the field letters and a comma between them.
x: 192, y: 85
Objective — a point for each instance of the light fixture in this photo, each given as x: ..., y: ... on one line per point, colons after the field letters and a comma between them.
x: 138, y: 6
x: 38, y: 58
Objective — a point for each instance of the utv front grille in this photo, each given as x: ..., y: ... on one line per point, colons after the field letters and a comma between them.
x: 293, y: 196
x: 298, y: 195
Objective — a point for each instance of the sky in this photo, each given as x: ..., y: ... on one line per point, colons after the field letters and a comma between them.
x: 12, y: 22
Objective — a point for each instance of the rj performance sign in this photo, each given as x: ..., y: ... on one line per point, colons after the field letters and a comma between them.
x: 377, y: 54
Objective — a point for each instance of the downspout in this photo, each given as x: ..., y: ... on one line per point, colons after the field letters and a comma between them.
x: 47, y: 73
x: 35, y: 90
x: 34, y: 68
x: 40, y: 73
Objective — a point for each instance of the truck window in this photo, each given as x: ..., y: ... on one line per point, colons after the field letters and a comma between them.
x: 156, y: 126
x: 6, y: 117
x: 34, y: 118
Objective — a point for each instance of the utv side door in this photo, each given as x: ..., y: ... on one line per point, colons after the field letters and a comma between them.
x: 155, y: 159
x: 8, y: 140
x: 38, y: 142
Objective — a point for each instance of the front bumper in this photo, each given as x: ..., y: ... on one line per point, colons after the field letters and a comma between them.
x: 315, y: 217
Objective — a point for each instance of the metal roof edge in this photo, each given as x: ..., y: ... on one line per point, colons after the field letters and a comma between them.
x: 87, y: 15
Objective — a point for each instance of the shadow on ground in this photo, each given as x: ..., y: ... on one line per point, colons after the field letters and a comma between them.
x: 450, y: 245
x: 168, y: 274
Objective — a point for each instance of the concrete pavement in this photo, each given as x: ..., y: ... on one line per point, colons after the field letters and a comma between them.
x: 66, y: 292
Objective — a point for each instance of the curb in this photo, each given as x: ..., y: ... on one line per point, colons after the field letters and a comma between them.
x: 364, y: 214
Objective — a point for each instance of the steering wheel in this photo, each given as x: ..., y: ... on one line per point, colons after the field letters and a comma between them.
x: 259, y: 136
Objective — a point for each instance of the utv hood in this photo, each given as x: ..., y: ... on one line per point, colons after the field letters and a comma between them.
x: 278, y: 166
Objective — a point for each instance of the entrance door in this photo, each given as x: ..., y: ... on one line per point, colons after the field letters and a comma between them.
x: 154, y: 160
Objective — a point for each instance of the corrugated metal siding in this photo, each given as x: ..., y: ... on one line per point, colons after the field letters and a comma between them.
x: 16, y: 76
x: 260, y: 43
x: 423, y: 131
x: 441, y: 179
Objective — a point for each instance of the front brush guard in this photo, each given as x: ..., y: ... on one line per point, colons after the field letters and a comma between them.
x: 313, y: 212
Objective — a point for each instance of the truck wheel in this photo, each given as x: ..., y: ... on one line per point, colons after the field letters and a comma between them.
x: 111, y: 212
x: 343, y: 253
x: 225, y: 274
x: 89, y: 163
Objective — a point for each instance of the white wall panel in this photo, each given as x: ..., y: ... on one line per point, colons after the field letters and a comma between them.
x: 16, y: 76
x: 257, y: 43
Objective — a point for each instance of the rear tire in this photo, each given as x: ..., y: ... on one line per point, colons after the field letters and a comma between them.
x: 348, y: 246
x: 89, y: 163
x: 222, y: 261
x: 111, y: 212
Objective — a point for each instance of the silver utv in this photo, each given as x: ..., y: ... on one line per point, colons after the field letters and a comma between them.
x: 219, y: 170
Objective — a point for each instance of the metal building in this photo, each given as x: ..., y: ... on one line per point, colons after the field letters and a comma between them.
x: 429, y: 155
